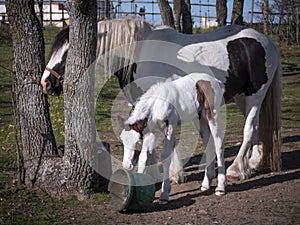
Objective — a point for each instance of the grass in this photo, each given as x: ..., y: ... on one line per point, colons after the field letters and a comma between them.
x: 22, y: 206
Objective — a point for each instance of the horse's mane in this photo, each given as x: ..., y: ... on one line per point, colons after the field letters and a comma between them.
x: 117, y: 42
x: 60, y: 39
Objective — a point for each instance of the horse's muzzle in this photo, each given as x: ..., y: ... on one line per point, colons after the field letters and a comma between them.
x: 127, y: 165
x: 44, y: 86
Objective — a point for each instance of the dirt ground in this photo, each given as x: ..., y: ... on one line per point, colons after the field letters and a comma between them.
x: 266, y: 198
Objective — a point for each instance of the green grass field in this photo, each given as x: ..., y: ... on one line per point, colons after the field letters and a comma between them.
x: 21, y: 206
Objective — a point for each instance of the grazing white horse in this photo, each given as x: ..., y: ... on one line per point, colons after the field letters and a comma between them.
x: 195, y: 97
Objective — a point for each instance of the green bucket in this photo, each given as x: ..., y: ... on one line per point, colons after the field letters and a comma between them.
x: 131, y: 191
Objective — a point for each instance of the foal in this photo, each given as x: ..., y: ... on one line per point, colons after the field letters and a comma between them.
x: 196, y: 97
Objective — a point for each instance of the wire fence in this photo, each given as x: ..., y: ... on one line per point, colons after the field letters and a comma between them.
x: 54, y: 13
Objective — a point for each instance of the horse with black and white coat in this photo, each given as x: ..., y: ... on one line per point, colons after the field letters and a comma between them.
x: 245, y: 61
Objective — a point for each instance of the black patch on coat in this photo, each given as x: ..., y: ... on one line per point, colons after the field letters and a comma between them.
x: 60, y: 39
x: 247, y: 67
x: 125, y: 75
x: 125, y: 78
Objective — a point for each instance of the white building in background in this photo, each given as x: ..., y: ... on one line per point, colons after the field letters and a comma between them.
x: 3, y: 15
x: 53, y: 13
x: 205, y: 23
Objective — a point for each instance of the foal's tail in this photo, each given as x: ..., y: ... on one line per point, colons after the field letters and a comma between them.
x: 270, y: 124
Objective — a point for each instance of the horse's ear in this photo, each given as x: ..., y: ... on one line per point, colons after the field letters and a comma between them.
x: 134, y: 66
x: 127, y: 127
x: 205, y: 97
x: 145, y: 123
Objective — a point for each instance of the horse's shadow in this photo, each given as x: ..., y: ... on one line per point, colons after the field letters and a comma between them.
x: 290, y: 169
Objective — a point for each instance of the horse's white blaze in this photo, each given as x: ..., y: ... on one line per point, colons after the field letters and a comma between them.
x: 55, y: 59
x: 130, y: 139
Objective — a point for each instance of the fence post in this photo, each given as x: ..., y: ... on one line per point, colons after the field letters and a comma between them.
x: 50, y: 11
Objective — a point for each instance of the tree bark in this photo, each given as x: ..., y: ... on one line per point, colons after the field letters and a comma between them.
x: 177, y: 14
x: 182, y: 16
x: 266, y: 12
x: 41, y: 13
x: 166, y: 13
x: 187, y: 23
x: 80, y: 130
x: 237, y: 12
x: 37, y: 139
x: 72, y: 174
x: 298, y: 24
x: 221, y: 8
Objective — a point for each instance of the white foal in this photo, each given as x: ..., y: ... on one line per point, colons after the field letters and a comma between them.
x: 196, y: 97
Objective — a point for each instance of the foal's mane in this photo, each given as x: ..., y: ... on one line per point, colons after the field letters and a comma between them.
x: 145, y: 103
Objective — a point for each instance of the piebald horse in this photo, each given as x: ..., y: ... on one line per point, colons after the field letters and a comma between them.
x: 195, y: 97
x: 245, y: 61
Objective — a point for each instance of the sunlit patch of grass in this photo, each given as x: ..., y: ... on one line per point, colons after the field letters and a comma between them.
x: 104, y: 103
x: 291, y: 102
x: 49, y: 34
x: 99, y: 198
x: 57, y: 118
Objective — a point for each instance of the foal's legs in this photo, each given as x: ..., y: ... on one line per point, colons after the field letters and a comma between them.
x: 218, y: 138
x: 210, y: 153
x: 169, y: 144
x: 212, y: 136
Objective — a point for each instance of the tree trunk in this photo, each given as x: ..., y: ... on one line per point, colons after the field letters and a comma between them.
x: 187, y: 23
x: 41, y: 13
x: 166, y: 13
x: 72, y: 174
x: 177, y: 14
x: 221, y: 8
x: 298, y: 24
x: 182, y: 16
x: 237, y: 12
x: 265, y: 12
x: 80, y: 130
x: 37, y: 139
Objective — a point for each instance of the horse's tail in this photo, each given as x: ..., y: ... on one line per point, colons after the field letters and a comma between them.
x: 270, y: 124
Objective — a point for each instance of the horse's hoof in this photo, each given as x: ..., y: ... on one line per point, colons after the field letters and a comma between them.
x: 202, y: 189
x: 233, y: 178
x: 163, y: 201
x: 220, y: 193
